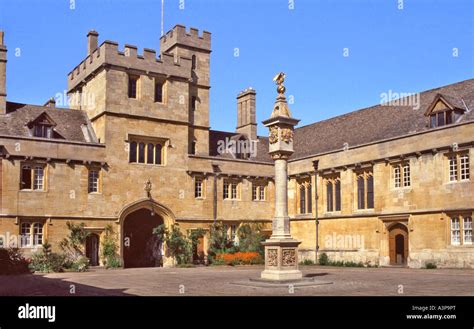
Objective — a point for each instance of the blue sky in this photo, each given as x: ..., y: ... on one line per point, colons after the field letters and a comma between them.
x: 407, y: 50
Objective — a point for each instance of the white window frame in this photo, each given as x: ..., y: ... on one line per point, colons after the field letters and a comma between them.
x: 464, y: 167
x: 198, y: 187
x: 467, y: 230
x: 455, y: 231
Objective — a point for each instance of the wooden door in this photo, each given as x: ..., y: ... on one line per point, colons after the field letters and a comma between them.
x: 398, y: 244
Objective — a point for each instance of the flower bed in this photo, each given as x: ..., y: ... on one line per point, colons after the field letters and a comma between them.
x: 240, y: 258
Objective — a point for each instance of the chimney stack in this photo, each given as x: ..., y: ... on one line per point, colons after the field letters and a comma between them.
x: 3, y: 75
x: 50, y: 103
x: 246, y: 113
x: 92, y: 41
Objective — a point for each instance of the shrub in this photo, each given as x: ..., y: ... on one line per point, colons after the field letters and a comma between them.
x: 109, y: 248
x: 307, y: 262
x: 240, y: 258
x: 73, y: 245
x: 81, y: 264
x: 113, y: 263
x: 218, y: 242
x: 47, y: 261
x: 178, y: 245
x: 251, y: 238
x: 13, y: 262
x: 430, y: 266
x: 323, y: 259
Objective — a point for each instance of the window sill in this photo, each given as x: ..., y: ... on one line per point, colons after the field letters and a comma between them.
x: 34, y: 191
x: 402, y: 189
x: 146, y: 164
x: 231, y: 199
x: 259, y: 200
x: 362, y: 211
x: 332, y: 213
x: 458, y: 181
x: 460, y: 246
x: 304, y: 216
x: 94, y: 193
x: 199, y: 198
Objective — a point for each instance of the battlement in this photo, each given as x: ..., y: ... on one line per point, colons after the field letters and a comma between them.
x: 108, y: 54
x: 179, y: 36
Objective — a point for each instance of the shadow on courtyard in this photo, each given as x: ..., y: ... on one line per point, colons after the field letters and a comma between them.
x: 39, y: 285
x: 313, y: 275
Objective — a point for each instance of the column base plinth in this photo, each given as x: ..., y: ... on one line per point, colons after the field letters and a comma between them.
x: 281, y: 259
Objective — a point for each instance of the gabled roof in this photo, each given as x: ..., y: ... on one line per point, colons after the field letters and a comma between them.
x: 69, y: 124
x: 450, y: 102
x: 379, y: 122
x: 41, y: 119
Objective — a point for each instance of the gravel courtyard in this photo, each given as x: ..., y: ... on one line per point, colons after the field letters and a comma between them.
x: 224, y: 281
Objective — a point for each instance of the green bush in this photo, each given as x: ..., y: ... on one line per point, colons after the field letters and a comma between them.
x: 109, y: 248
x: 179, y: 246
x: 250, y: 238
x: 323, y: 259
x: 81, y: 264
x: 430, y: 266
x: 307, y: 262
x: 73, y: 244
x: 47, y: 261
x: 219, y: 242
x: 113, y: 262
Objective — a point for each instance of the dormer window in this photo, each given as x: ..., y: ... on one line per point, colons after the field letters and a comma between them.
x: 444, y: 110
x: 42, y: 130
x: 43, y: 127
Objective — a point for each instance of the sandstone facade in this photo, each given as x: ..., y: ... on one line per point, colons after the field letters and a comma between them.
x: 412, y: 225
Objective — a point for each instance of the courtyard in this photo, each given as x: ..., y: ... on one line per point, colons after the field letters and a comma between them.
x: 230, y: 281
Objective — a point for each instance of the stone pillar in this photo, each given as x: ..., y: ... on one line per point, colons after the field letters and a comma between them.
x: 281, y: 250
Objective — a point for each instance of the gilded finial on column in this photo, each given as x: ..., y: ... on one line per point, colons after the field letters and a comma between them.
x: 279, y: 79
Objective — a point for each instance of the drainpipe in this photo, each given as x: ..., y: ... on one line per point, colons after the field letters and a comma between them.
x: 316, y: 197
x: 215, y: 170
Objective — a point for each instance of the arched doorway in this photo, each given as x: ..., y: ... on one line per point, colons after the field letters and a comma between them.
x: 141, y: 248
x: 92, y: 249
x: 398, y: 244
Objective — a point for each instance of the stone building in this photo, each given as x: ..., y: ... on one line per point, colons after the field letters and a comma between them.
x: 389, y: 184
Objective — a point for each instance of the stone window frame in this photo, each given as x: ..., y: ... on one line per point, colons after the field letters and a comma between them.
x: 202, y: 187
x: 34, y: 166
x: 135, y: 141
x: 401, y: 175
x: 229, y: 186
x: 31, y: 226
x: 458, y: 166
x: 91, y: 170
x: 365, y: 174
x: 136, y: 79
x: 304, y: 201
x: 461, y: 228
x: 332, y: 180
x: 259, y: 188
x: 164, y: 84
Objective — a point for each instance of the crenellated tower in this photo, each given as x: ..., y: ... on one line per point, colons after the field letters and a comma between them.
x: 189, y: 44
x: 123, y: 83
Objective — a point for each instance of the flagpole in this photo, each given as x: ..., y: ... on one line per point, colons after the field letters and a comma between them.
x: 162, y: 16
